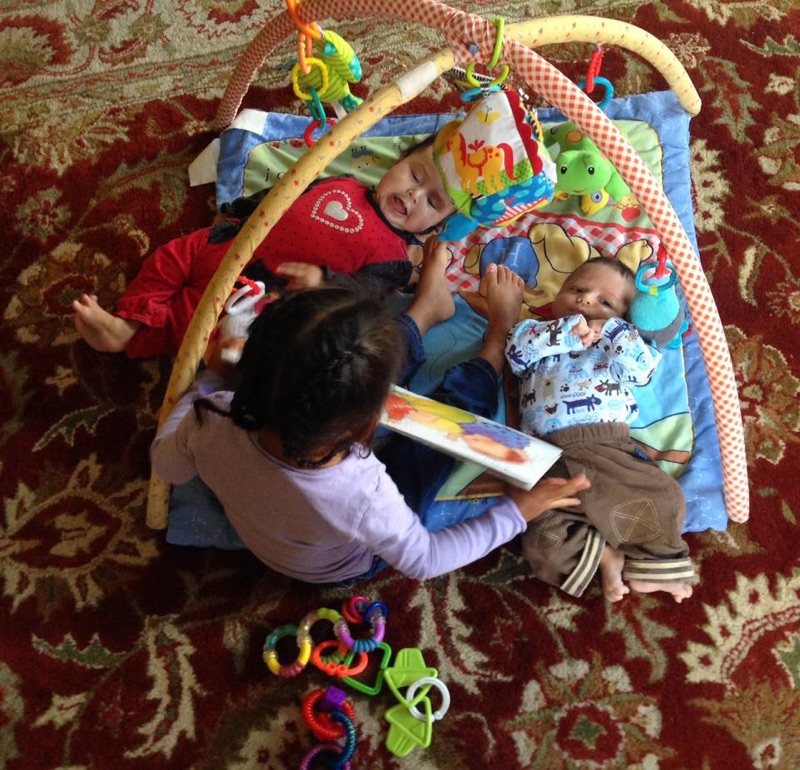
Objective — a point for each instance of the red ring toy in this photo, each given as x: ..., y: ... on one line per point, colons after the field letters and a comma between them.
x: 307, y: 134
x: 320, y: 723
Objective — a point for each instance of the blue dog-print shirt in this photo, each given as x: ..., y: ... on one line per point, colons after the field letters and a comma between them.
x: 563, y: 384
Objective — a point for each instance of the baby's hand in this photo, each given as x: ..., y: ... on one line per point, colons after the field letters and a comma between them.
x: 300, y: 275
x: 584, y: 330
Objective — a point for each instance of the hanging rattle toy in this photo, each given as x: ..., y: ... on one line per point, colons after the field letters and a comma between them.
x: 492, y: 162
x: 326, y: 65
x: 583, y: 170
x: 655, y: 310
x: 240, y: 312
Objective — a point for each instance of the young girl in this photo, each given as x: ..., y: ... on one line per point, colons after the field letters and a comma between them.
x: 288, y: 452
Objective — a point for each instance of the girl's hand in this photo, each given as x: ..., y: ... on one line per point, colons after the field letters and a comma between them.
x: 548, y: 494
x: 300, y: 275
x: 223, y: 354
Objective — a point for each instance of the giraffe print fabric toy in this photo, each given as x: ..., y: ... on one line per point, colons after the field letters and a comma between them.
x: 493, y: 163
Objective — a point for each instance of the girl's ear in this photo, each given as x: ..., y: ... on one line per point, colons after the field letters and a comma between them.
x: 364, y: 434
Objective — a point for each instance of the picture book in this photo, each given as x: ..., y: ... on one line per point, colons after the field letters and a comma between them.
x: 513, y: 456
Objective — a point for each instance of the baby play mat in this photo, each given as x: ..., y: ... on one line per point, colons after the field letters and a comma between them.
x: 676, y: 420
x: 664, y: 222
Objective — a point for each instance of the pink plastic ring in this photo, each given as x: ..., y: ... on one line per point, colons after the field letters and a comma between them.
x: 333, y: 748
x: 353, y: 610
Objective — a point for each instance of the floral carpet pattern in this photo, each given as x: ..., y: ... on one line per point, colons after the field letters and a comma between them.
x: 119, y: 650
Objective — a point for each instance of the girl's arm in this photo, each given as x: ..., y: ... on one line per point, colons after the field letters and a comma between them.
x: 169, y: 452
x: 403, y: 541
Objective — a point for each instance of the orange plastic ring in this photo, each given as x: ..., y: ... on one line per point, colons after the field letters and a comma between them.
x: 339, y: 670
x: 312, y: 30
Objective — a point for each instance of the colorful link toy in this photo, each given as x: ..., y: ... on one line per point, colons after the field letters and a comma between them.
x: 317, y: 708
x: 270, y: 654
x: 328, y: 713
x: 375, y: 615
x: 409, y: 727
x: 343, y: 753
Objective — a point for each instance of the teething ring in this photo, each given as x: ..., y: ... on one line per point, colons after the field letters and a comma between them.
x: 498, y: 24
x: 608, y: 90
x: 270, y: 654
x: 376, y: 607
x: 353, y: 610
x: 350, y: 740
x: 440, y: 686
x: 319, y: 722
x: 657, y: 285
x: 312, y: 30
x: 305, y: 625
x: 311, y: 61
x: 339, y: 670
x: 332, y: 748
x: 375, y: 615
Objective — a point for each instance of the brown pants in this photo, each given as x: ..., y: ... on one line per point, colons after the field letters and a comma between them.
x: 632, y: 505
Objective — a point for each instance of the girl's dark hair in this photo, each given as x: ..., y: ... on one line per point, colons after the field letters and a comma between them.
x: 317, y: 366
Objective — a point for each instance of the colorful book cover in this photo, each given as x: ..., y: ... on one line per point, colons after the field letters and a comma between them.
x: 507, y: 453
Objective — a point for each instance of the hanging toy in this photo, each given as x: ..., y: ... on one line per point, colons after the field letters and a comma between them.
x: 656, y: 311
x: 326, y: 76
x: 240, y: 312
x: 492, y: 164
x: 582, y: 169
x: 329, y: 74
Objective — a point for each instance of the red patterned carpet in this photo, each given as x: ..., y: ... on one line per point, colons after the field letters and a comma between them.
x: 118, y: 650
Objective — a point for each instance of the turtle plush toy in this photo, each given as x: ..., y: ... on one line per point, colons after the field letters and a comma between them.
x: 582, y: 169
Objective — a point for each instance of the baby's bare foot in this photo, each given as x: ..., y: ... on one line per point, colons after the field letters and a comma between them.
x: 611, y: 564
x: 679, y: 590
x: 102, y: 331
x: 433, y: 301
x: 503, y: 290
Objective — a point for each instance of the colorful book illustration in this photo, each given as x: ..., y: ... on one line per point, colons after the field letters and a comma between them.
x: 515, y: 457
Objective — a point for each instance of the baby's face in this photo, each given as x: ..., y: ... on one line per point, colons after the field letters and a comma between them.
x: 411, y: 194
x: 595, y: 291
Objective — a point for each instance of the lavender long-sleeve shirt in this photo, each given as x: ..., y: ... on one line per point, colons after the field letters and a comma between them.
x: 322, y: 525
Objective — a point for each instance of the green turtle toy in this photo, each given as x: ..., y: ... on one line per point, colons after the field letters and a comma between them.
x: 582, y: 169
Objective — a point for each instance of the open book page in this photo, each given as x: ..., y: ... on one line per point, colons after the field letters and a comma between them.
x: 513, y: 456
